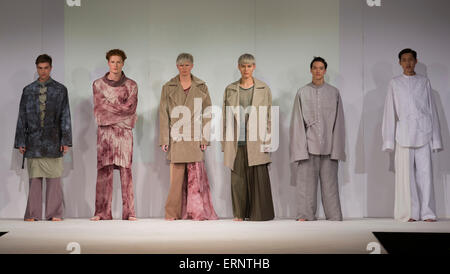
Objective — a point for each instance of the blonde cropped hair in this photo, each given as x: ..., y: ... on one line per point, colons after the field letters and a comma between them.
x: 246, y: 58
x: 183, y: 57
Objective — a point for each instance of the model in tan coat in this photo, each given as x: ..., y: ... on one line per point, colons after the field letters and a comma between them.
x: 184, y: 123
x: 246, y: 139
x: 172, y: 97
x: 259, y: 149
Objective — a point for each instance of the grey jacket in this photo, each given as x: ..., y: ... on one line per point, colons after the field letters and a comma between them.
x: 44, y: 141
x: 317, y: 123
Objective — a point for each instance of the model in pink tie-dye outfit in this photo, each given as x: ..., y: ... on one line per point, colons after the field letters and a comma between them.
x: 115, y: 102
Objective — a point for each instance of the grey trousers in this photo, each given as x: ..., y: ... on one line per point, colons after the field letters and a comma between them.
x: 54, y: 206
x: 309, y: 172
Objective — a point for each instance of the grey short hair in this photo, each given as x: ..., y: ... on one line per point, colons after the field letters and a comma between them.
x: 246, y: 58
x: 183, y: 57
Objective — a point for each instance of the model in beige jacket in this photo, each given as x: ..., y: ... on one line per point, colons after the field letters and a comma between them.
x: 247, y: 155
x: 259, y: 149
x: 181, y: 150
x: 184, y: 118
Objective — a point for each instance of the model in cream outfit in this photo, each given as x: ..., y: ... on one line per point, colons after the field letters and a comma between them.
x: 411, y: 128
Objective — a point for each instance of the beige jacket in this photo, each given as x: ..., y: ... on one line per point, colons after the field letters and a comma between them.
x: 182, y: 150
x: 317, y: 123
x: 262, y: 97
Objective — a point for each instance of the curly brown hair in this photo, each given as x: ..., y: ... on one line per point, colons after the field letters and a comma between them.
x: 116, y: 52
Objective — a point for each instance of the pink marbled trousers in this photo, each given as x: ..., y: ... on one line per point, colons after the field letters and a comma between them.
x: 189, y: 193
x: 104, y: 189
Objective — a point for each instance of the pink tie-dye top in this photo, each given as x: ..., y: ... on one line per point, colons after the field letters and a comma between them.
x: 115, y: 113
x: 115, y: 102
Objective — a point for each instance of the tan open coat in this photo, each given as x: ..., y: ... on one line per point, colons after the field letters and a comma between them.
x: 262, y: 96
x: 172, y: 96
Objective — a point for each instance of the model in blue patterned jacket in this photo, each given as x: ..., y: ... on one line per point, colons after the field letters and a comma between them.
x: 43, y: 136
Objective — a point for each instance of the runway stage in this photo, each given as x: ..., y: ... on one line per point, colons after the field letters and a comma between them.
x: 225, y: 236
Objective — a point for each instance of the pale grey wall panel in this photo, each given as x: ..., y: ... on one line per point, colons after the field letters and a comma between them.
x: 349, y: 81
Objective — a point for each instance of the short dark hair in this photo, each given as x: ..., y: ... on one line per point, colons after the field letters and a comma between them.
x: 116, y: 52
x: 44, y: 58
x: 404, y: 51
x: 318, y: 59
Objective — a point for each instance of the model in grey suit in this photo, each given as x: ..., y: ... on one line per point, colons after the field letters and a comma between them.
x: 317, y: 143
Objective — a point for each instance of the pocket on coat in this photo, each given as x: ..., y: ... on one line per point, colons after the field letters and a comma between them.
x: 424, y: 124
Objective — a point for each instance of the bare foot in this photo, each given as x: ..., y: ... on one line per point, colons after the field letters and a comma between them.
x: 132, y: 219
x: 170, y: 219
x: 411, y: 220
x: 56, y: 219
x: 95, y: 218
x: 430, y: 220
x: 30, y: 220
x: 238, y: 219
x: 301, y: 220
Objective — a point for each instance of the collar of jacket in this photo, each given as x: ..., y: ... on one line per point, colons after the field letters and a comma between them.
x: 258, y: 84
x: 415, y: 76
x: 175, y: 81
x: 317, y: 87
x: 112, y: 83
x: 176, y: 90
x: 35, y: 86
x: 46, y: 83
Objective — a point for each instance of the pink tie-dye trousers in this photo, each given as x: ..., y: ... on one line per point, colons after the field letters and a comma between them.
x: 196, y: 200
x: 104, y: 192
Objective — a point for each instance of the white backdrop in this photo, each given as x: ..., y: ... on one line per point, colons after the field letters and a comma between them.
x: 359, y: 42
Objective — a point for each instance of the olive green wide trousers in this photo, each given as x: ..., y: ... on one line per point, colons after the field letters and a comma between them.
x: 250, y: 189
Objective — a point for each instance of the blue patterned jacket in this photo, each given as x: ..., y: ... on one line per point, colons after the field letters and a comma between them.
x: 44, y: 141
